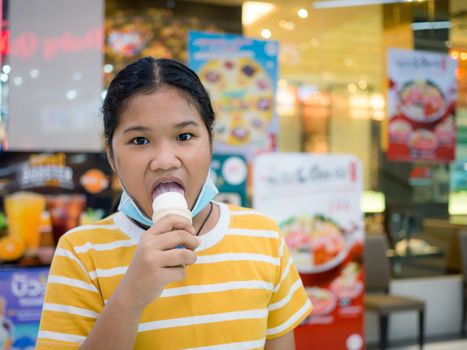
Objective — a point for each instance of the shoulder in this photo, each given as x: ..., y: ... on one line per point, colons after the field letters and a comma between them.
x: 103, y: 231
x: 250, y: 217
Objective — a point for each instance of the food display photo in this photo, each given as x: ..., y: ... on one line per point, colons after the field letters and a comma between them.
x: 240, y: 74
x: 421, y: 106
x: 316, y: 202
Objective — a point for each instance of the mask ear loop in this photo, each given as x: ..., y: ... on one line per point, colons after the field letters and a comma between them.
x: 207, y: 193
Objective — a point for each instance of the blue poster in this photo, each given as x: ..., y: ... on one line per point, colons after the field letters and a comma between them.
x: 240, y: 75
x: 21, y: 299
x: 230, y: 173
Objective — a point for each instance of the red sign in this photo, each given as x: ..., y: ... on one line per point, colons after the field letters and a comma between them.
x: 316, y: 201
x: 29, y: 44
x: 421, y: 106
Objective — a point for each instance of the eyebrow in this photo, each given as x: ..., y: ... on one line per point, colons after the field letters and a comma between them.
x: 176, y: 126
x: 185, y: 124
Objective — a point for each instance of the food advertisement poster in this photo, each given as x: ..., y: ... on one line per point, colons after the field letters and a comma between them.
x: 21, y: 299
x: 316, y: 201
x: 229, y: 172
x: 240, y: 75
x: 421, y: 106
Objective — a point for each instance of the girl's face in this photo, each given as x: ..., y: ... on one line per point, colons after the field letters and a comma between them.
x: 160, y: 142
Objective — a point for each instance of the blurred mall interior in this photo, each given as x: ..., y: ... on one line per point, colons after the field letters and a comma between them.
x: 377, y: 85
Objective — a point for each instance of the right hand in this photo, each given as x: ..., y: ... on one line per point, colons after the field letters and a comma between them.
x: 157, y: 260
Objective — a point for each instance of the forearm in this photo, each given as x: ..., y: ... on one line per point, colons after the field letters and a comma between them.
x: 117, y: 324
x: 287, y: 341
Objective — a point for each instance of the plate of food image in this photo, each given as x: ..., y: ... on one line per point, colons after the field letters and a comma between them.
x: 423, y: 140
x: 243, y: 99
x: 348, y: 284
x: 400, y: 130
x: 422, y: 101
x: 446, y: 131
x: 324, y: 301
x: 317, y: 243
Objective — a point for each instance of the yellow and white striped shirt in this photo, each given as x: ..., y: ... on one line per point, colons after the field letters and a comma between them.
x: 242, y: 290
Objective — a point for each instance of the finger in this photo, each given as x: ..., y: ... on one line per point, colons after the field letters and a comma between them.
x: 173, y: 274
x: 171, y: 222
x: 177, y: 258
x: 174, y: 239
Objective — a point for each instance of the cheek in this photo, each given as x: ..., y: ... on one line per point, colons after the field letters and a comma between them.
x: 126, y: 167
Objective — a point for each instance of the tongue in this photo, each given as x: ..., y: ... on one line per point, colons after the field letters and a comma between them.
x: 167, y: 187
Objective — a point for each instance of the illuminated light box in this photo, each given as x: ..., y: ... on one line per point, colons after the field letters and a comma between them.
x: 372, y: 202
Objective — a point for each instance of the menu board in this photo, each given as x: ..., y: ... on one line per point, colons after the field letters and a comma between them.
x: 240, y: 75
x: 421, y: 106
x: 316, y: 201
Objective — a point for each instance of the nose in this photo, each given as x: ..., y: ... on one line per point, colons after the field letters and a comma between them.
x: 164, y: 157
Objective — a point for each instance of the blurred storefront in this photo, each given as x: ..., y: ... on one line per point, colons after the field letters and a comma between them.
x: 333, y: 85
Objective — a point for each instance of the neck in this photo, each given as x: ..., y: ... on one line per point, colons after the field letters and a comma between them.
x: 204, y: 221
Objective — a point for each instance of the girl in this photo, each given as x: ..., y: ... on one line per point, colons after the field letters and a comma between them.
x: 226, y: 281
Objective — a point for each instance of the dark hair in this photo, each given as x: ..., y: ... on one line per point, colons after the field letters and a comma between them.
x: 146, y: 75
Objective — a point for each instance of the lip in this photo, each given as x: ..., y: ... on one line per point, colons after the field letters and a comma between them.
x: 167, y: 179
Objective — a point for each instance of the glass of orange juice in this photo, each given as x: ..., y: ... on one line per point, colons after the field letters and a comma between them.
x: 24, y: 210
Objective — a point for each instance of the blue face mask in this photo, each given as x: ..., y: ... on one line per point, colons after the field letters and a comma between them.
x: 130, y: 209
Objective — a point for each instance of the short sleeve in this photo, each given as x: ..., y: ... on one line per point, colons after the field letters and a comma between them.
x: 289, y: 304
x: 72, y: 301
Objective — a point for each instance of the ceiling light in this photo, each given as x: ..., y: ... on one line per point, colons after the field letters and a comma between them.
x: 18, y: 81
x: 108, y: 68
x: 71, y: 94
x: 302, y: 13
x: 266, y: 33
x: 254, y: 10
x: 362, y: 84
x: 34, y: 73
x: 6, y: 69
x: 286, y: 25
x: 352, y: 87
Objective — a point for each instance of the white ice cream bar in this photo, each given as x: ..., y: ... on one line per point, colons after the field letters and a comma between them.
x: 170, y: 203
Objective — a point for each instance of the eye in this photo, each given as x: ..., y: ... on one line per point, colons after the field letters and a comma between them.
x: 140, y: 141
x: 184, y: 137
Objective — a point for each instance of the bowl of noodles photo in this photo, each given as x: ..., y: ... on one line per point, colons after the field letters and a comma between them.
x: 324, y: 301
x: 317, y: 243
x: 422, y: 101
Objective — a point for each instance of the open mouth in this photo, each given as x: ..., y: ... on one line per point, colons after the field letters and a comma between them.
x: 167, y: 187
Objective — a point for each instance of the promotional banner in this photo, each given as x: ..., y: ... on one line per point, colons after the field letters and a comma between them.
x: 21, y: 299
x: 316, y: 201
x: 421, y: 105
x: 240, y: 75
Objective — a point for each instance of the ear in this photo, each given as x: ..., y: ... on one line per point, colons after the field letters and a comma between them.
x: 110, y: 157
